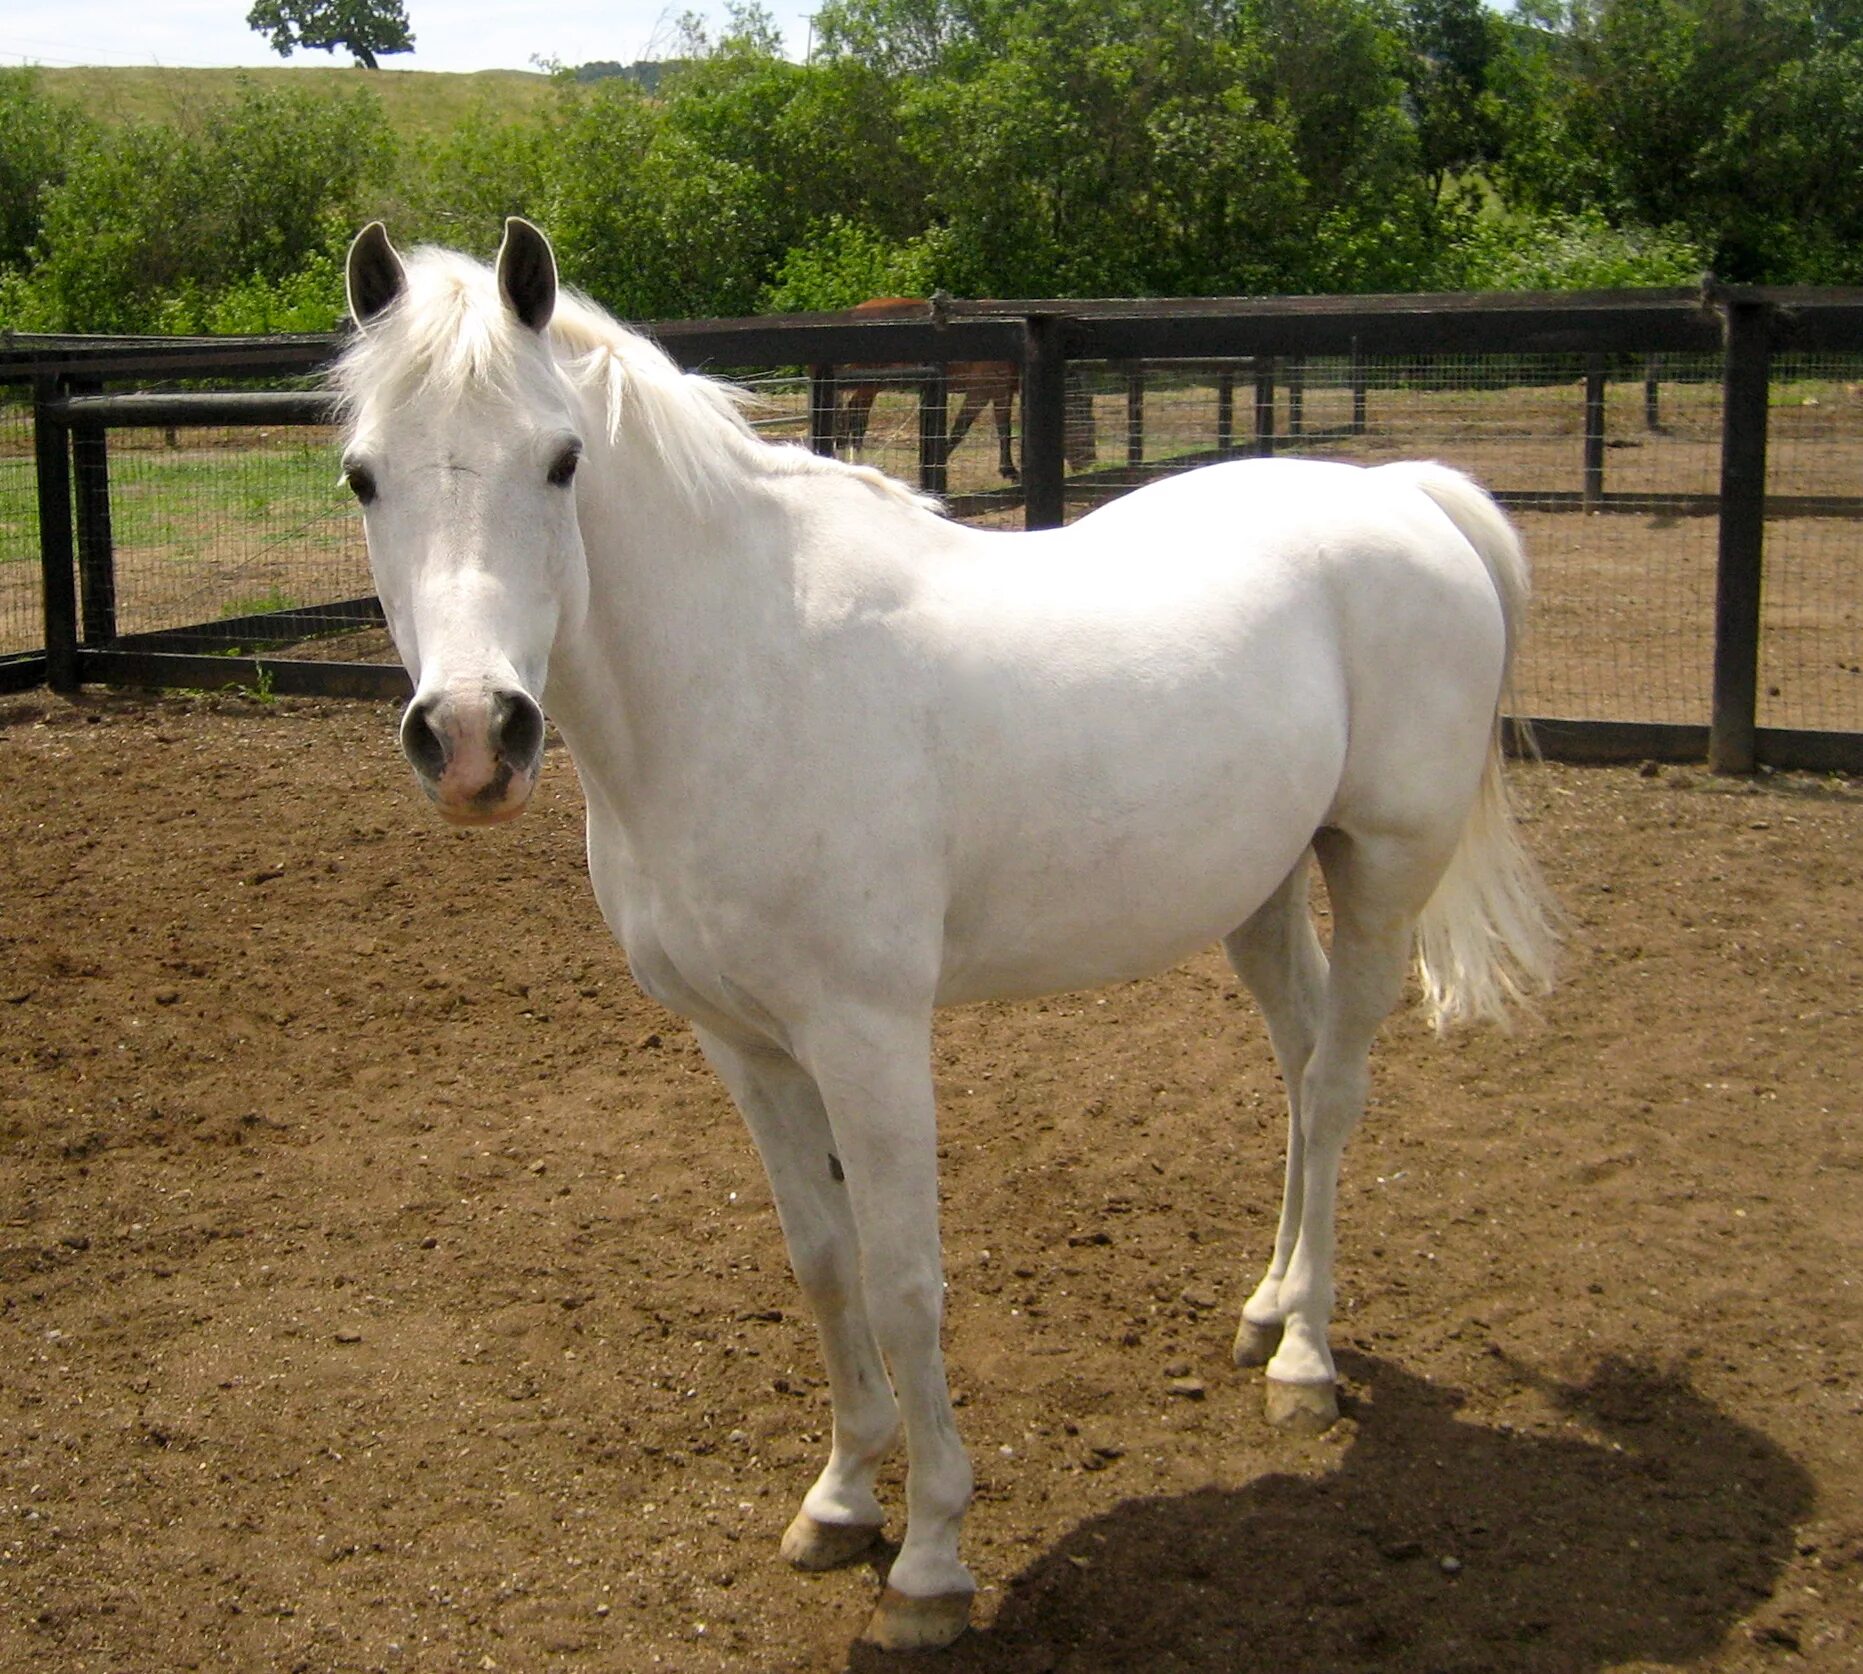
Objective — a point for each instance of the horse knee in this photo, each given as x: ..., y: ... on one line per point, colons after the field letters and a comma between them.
x: 827, y: 1272
x: 906, y: 1309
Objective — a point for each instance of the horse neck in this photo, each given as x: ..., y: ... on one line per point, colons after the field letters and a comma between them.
x: 690, y: 585
x: 705, y: 599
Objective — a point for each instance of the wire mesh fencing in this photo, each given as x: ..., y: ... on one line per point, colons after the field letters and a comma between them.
x: 1811, y: 645
x: 22, y: 604
x: 238, y: 536
x: 213, y: 528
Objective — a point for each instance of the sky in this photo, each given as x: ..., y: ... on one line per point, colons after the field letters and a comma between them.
x: 448, y: 34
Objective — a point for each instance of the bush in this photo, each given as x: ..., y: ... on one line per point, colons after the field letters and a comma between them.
x: 645, y: 220
x: 846, y: 264
x: 248, y: 189
x: 310, y: 300
x: 1580, y: 252
x: 38, y: 135
x: 464, y: 183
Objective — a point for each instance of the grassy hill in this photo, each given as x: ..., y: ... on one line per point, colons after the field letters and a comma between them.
x: 415, y: 100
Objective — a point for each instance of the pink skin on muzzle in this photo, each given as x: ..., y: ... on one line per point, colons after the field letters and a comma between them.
x: 476, y: 753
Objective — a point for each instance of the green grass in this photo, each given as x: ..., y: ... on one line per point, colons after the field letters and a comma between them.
x: 416, y: 101
x: 160, y: 496
x: 268, y: 603
x: 19, y: 512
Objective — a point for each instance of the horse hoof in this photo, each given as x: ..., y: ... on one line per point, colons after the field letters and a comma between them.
x: 903, y: 1623
x: 1302, y: 1410
x: 809, y: 1544
x: 1255, y: 1344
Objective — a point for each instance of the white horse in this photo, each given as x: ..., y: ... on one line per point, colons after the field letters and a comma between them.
x: 847, y: 761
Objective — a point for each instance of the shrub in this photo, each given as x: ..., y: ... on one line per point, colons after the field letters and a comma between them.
x: 847, y: 263
x: 248, y: 189
x: 38, y: 135
x: 1578, y: 252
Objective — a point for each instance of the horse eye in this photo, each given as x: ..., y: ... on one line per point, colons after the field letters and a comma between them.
x: 563, y: 471
x: 361, y: 482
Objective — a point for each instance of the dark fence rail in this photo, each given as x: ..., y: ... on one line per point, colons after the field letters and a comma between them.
x: 1265, y: 349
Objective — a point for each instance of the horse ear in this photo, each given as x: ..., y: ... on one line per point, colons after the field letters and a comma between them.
x: 527, y: 273
x: 375, y: 274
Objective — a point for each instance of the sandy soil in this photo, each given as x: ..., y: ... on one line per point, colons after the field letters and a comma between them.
x: 385, y: 1285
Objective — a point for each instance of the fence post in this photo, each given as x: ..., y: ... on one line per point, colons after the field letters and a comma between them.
x: 1225, y: 411
x: 1135, y: 419
x: 1044, y: 421
x: 823, y: 398
x: 1360, y: 379
x: 90, y: 466
x: 1594, y: 433
x: 1264, y: 407
x: 934, y: 432
x: 1745, y: 386
x: 1297, y: 395
x: 57, y: 550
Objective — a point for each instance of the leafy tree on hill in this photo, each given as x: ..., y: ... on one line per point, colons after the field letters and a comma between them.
x: 366, y: 27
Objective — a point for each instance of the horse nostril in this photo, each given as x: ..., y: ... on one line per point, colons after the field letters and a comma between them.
x: 517, y: 728
x: 420, y: 742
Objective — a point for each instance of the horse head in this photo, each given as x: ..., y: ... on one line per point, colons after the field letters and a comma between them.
x: 462, y: 447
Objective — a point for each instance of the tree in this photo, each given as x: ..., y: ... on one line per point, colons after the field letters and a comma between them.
x: 365, y: 27
x: 250, y: 188
x: 1449, y: 47
x: 646, y: 219
x: 39, y: 135
x: 1735, y: 121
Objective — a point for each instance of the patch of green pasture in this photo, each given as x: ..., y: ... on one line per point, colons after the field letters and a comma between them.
x: 416, y: 102
x: 268, y: 603
x: 176, y: 503
x: 19, y: 512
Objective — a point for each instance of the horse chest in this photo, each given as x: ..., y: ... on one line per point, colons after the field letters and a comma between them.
x: 676, y: 971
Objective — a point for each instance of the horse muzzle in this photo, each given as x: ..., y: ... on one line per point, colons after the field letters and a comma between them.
x: 476, y: 753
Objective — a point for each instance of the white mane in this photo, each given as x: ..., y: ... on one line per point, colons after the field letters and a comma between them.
x: 450, y: 336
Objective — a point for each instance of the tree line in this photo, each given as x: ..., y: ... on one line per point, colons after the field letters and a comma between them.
x: 1004, y: 148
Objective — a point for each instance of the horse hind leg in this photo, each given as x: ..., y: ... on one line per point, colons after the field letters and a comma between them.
x: 967, y: 410
x: 1377, y: 887
x: 1278, y: 956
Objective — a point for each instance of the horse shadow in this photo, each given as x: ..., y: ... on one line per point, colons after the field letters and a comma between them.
x: 1641, y: 1532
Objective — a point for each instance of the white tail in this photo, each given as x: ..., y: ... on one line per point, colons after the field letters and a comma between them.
x: 1488, y: 937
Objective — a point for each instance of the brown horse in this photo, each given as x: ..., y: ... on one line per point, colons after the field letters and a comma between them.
x: 982, y: 384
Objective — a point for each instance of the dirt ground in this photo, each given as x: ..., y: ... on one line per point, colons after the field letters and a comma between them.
x: 384, y: 1284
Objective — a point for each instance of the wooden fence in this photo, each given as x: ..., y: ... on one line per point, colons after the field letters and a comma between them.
x: 85, y: 391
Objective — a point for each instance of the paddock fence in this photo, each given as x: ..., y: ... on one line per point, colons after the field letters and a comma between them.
x: 1683, y: 465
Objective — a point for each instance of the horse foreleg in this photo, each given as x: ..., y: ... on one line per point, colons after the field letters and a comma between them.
x: 1005, y: 458
x: 1376, y: 887
x: 840, y: 1516
x: 874, y: 1071
x: 855, y: 416
x: 1278, y: 956
x: 967, y: 411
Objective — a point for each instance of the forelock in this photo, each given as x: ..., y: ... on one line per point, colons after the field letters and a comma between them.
x: 447, y: 337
